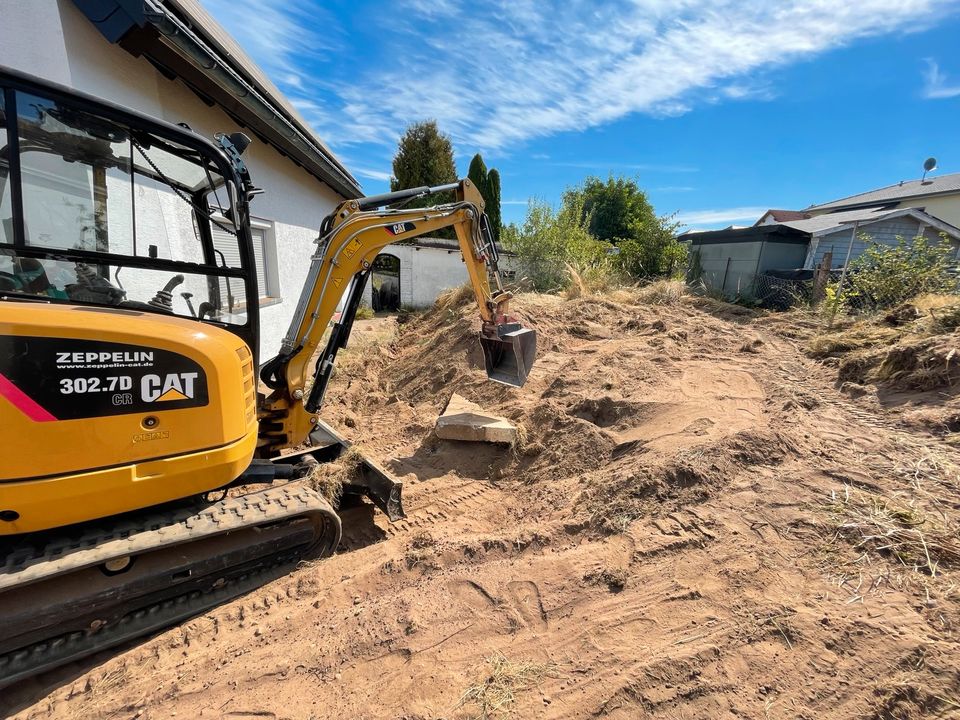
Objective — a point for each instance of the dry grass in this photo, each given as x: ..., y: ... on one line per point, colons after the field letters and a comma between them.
x: 454, y: 297
x: 663, y: 292
x: 920, y: 540
x: 328, y: 479
x: 851, y: 338
x: 917, y: 525
x: 597, y: 280
x: 499, y: 683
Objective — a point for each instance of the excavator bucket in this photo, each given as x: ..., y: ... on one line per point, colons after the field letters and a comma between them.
x: 509, y: 357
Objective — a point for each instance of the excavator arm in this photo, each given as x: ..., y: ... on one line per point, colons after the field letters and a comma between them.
x: 350, y: 239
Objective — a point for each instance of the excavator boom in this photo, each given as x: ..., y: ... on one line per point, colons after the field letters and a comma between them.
x: 350, y: 239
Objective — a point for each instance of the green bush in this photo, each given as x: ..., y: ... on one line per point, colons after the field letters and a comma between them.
x: 885, y: 275
x: 550, y: 240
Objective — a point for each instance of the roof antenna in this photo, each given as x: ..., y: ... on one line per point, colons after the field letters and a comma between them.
x: 929, y: 165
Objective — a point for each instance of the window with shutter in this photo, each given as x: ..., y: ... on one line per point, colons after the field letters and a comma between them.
x: 227, y: 244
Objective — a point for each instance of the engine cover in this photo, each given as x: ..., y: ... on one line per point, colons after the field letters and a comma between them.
x: 88, y: 391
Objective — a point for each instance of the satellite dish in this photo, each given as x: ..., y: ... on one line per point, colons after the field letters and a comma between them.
x: 929, y: 165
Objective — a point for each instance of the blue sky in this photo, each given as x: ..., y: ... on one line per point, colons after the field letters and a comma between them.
x: 719, y: 108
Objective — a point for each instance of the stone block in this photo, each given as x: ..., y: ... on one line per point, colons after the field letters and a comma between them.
x: 464, y: 420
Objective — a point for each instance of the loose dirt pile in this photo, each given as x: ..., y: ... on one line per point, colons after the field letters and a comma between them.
x: 902, y: 365
x: 696, y: 523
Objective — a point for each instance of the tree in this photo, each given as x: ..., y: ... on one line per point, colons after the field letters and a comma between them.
x: 424, y: 157
x: 488, y: 183
x: 493, y: 204
x: 619, y: 213
x: 550, y: 243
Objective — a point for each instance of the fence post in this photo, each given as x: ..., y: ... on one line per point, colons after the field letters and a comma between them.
x: 723, y: 285
x: 843, y: 275
x: 821, y: 276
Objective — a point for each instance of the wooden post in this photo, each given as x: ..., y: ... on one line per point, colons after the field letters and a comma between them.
x: 821, y: 276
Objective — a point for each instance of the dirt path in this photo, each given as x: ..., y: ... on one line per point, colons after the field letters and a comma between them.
x: 663, y: 544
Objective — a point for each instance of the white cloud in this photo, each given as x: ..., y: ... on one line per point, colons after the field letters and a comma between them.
x: 722, y: 216
x: 514, y: 202
x: 368, y: 173
x: 497, y: 74
x: 936, y: 84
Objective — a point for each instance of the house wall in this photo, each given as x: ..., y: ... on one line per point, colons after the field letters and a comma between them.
x: 53, y: 40
x: 728, y: 267
x: 944, y: 207
x: 426, y: 272
x: 881, y: 232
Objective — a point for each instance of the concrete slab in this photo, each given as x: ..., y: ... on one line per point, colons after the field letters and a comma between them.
x: 464, y: 420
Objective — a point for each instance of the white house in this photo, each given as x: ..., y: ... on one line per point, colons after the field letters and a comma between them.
x: 170, y: 59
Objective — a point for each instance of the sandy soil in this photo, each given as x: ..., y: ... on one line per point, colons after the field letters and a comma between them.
x: 684, y: 532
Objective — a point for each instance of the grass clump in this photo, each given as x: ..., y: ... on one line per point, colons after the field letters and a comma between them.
x: 495, y: 691
x: 328, y: 479
x: 663, y: 292
x: 364, y: 312
x: 918, y: 540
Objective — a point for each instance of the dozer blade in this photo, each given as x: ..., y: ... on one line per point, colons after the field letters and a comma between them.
x: 509, y: 357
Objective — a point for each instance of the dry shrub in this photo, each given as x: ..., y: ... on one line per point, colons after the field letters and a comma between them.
x: 454, y: 297
x: 663, y: 292
x: 496, y: 689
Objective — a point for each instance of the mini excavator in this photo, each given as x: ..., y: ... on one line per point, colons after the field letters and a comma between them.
x: 144, y: 478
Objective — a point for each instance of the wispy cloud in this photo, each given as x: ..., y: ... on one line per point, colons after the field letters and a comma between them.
x: 936, y: 84
x: 721, y: 216
x: 368, y: 173
x: 514, y: 202
x: 616, y: 165
x: 498, y: 74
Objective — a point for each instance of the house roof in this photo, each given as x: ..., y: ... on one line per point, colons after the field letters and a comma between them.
x: 833, y: 222
x: 183, y: 41
x: 782, y: 215
x: 755, y: 233
x: 942, y: 184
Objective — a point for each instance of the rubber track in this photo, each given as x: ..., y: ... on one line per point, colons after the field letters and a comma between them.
x: 60, y: 556
x: 30, y: 661
x: 64, y: 554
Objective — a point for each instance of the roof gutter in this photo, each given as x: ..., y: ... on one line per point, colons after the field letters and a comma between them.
x: 186, y: 42
x: 148, y: 28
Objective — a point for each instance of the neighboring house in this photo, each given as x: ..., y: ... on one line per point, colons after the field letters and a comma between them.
x: 785, y: 240
x: 772, y: 217
x: 171, y: 60
x: 937, y: 196
x: 414, y: 275
x: 728, y: 261
x: 849, y: 233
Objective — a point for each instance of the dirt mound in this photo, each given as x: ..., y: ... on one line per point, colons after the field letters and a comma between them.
x: 904, y: 363
x: 696, y: 523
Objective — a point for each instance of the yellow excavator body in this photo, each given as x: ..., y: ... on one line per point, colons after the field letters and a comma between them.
x: 143, y: 477
x: 115, y: 410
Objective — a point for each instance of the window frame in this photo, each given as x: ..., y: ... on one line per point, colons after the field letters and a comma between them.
x: 14, y: 82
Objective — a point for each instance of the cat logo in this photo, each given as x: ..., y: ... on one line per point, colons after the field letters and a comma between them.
x: 173, y: 386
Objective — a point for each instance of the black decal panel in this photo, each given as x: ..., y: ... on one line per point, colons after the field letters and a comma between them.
x: 73, y: 379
